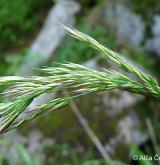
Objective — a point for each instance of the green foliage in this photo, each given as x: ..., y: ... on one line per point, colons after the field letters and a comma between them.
x: 76, y: 51
x: 55, y: 1
x: 24, y: 155
x: 146, y: 7
x: 71, y: 157
x: 13, y: 61
x: 17, y: 17
x: 64, y: 154
x: 3, y: 69
x: 27, y: 158
x: 138, y: 153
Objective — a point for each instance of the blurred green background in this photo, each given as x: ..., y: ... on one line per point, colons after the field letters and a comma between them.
x: 126, y: 124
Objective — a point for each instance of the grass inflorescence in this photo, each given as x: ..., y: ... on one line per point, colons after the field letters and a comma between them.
x: 79, y: 79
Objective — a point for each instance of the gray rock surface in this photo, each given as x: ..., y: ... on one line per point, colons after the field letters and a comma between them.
x: 34, y: 144
x: 47, y: 41
x: 50, y: 36
x: 152, y: 44
x: 127, y: 25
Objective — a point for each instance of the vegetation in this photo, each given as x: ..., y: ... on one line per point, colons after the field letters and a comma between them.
x: 20, y: 23
x: 66, y: 51
x: 147, y: 7
x: 80, y: 79
x: 17, y: 19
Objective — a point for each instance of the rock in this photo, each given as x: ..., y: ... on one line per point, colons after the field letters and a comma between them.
x: 122, y: 99
x: 34, y: 144
x: 50, y: 36
x: 152, y: 44
x: 113, y: 119
x: 129, y: 129
x: 128, y: 26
